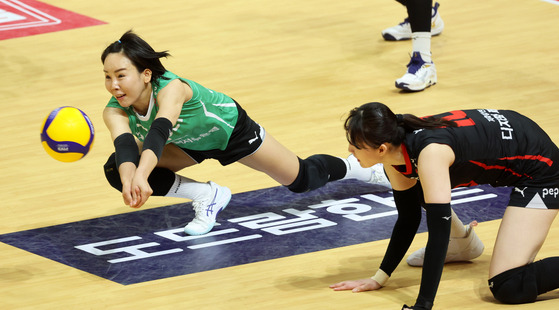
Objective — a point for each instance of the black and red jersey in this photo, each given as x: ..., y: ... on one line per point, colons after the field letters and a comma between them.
x: 496, y: 147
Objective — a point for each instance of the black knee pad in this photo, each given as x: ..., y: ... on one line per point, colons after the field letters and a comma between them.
x: 111, y: 172
x: 515, y: 286
x: 161, y: 179
x: 316, y: 171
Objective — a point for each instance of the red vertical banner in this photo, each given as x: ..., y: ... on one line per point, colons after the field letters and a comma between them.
x: 20, y: 18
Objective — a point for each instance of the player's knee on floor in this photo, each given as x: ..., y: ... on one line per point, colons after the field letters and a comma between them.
x: 515, y: 286
x: 313, y: 174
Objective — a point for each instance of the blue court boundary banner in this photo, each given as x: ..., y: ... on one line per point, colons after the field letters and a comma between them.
x: 256, y: 226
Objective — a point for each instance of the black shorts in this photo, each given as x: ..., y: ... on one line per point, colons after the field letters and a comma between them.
x: 542, y: 190
x: 535, y: 197
x: 246, y: 138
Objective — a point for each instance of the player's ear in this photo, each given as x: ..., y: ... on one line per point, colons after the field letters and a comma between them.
x: 382, y: 149
x: 147, y: 75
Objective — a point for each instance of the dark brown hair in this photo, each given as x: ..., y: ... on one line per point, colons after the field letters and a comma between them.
x: 140, y: 53
x: 373, y: 124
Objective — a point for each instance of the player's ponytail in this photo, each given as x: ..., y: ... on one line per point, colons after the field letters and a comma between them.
x: 412, y: 122
x: 373, y: 124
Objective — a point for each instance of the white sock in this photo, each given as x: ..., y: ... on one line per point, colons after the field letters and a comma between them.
x: 457, y: 228
x: 188, y: 188
x: 355, y: 171
x: 421, y: 42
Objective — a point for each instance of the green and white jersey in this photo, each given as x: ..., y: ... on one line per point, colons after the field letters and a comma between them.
x: 205, y: 123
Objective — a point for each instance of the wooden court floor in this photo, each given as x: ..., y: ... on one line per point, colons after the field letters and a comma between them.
x: 297, y: 67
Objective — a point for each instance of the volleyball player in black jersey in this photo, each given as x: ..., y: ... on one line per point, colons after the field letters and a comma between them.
x: 425, y: 158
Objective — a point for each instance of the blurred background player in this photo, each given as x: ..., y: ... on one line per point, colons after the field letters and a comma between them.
x: 423, y: 22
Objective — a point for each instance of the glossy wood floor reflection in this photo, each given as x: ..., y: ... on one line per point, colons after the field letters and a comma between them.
x: 297, y: 67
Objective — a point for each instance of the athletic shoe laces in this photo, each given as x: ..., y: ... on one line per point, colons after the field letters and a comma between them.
x: 415, y: 63
x: 406, y: 21
x: 201, y: 208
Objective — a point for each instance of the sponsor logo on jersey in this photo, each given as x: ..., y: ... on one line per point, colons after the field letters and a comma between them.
x: 495, y: 116
x: 550, y: 192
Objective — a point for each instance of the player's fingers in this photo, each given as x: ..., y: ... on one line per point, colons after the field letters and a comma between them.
x: 337, y: 284
x: 135, y: 197
x: 127, y: 197
x: 143, y: 198
x: 341, y: 286
x: 147, y: 192
x: 360, y: 288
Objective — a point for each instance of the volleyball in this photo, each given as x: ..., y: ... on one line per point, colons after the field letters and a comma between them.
x: 67, y: 134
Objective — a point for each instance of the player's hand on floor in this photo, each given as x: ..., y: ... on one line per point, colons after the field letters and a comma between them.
x: 356, y: 286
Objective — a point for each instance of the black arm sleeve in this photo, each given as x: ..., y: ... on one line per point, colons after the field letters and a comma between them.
x: 408, y: 204
x: 438, y: 224
x: 157, y: 136
x: 126, y: 149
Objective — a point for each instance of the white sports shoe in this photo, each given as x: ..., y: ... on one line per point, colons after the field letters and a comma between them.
x: 459, y: 249
x: 419, y: 76
x: 372, y: 175
x: 402, y: 31
x: 207, y: 209
x: 378, y: 176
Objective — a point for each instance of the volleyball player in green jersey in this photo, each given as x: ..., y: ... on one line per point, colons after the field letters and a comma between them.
x: 205, y: 122
x: 161, y: 123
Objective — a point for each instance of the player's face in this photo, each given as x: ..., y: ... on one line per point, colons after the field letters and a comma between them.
x: 366, y: 155
x: 125, y: 83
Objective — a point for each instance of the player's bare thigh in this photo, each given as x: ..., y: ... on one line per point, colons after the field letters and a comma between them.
x: 174, y: 158
x: 520, y: 237
x: 275, y: 160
